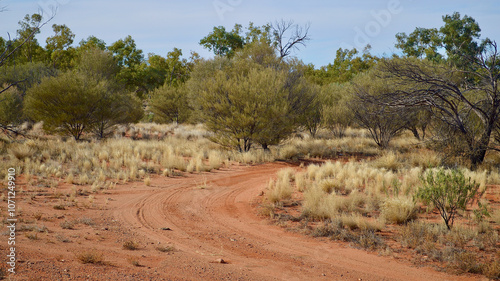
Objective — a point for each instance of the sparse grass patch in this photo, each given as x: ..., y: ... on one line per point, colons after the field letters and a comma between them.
x: 31, y: 235
x: 130, y: 245
x: 165, y: 249
x: 62, y: 238
x: 134, y: 261
x: 90, y: 256
x: 60, y: 206
x: 68, y: 224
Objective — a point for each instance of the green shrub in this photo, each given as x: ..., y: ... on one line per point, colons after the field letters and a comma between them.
x: 448, y: 191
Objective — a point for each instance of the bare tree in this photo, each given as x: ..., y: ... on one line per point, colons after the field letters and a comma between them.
x: 286, y: 44
x: 467, y: 99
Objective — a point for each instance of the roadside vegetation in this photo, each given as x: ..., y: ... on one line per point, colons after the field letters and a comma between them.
x: 397, y: 155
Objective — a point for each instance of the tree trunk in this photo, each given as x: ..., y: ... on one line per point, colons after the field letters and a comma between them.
x: 265, y: 147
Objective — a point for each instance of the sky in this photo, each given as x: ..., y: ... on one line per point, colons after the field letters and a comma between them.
x: 159, y: 26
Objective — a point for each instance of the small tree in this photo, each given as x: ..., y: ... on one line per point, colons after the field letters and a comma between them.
x: 382, y: 121
x: 65, y: 103
x: 76, y: 102
x: 337, y: 115
x: 170, y: 104
x: 448, y: 191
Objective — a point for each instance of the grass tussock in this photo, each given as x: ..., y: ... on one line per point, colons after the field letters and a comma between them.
x: 398, y: 210
x: 90, y: 257
x: 130, y: 245
x: 279, y: 190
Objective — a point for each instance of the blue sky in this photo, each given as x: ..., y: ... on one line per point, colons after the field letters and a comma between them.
x: 159, y: 26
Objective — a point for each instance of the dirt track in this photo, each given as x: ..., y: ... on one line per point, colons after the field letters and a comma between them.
x: 213, y: 216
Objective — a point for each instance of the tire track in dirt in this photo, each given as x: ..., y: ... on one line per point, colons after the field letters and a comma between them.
x: 220, y: 221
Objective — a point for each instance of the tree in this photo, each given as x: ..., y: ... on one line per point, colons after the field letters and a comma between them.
x: 26, y: 41
x: 75, y: 103
x: 129, y: 58
x: 346, y: 65
x: 117, y: 106
x: 59, y: 46
x: 222, y: 42
x: 170, y: 104
x: 98, y: 63
x: 448, y: 191
x: 12, y: 50
x: 92, y: 42
x: 337, y: 115
x: 126, y: 53
x: 466, y: 100
x: 65, y: 103
x: 11, y: 111
x: 286, y: 44
x: 313, y: 115
x: 381, y: 120
x: 239, y: 108
x: 251, y: 98
x: 458, y: 37
x: 421, y: 43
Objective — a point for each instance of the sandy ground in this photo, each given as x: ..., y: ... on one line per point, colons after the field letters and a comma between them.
x: 203, y: 217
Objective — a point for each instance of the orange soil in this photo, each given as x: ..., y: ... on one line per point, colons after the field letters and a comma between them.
x: 205, y: 217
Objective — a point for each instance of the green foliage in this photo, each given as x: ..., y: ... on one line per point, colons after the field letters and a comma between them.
x: 75, y: 102
x: 222, y: 42
x: 337, y: 115
x: 65, y: 103
x: 170, y: 104
x: 346, y: 65
x: 59, y: 46
x: 448, y: 191
x: 250, y: 98
x: 129, y: 59
x: 92, y: 42
x: 457, y: 37
x: 30, y: 50
x: 24, y: 76
x: 96, y: 62
x: 11, y: 108
x: 423, y: 42
x: 126, y: 53
x: 240, y: 108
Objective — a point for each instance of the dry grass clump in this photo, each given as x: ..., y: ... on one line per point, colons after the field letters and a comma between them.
x: 398, y: 210
x: 165, y: 249
x: 90, y: 256
x: 423, y: 158
x: 279, y: 190
x: 130, y: 245
x: 254, y: 156
x: 388, y: 160
x: 356, y: 221
x: 68, y: 224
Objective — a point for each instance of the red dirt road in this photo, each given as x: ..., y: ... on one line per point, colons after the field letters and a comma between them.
x: 213, y: 216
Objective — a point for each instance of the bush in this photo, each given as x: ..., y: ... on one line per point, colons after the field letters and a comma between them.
x: 74, y: 103
x: 448, y: 191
